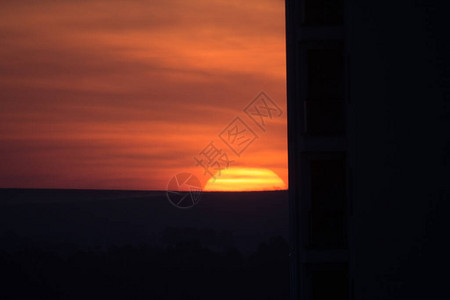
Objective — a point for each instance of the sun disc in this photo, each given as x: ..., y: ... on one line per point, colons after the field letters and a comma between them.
x: 245, y: 179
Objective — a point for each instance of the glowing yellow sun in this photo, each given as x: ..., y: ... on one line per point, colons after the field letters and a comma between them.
x: 245, y: 179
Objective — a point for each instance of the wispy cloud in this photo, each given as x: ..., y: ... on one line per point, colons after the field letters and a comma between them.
x: 118, y: 94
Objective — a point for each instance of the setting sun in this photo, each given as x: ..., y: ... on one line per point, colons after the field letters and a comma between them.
x: 245, y: 179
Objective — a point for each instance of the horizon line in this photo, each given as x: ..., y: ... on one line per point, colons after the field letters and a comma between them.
x: 125, y: 190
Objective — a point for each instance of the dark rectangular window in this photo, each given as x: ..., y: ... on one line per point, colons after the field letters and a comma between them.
x: 327, y: 230
x: 329, y: 281
x: 323, y: 12
x: 325, y: 106
x: 328, y: 210
x: 328, y: 184
x: 325, y: 73
x: 325, y: 118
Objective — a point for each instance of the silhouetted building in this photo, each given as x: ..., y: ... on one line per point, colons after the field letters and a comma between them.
x: 369, y: 143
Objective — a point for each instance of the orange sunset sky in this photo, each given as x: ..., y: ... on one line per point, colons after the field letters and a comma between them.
x: 124, y: 94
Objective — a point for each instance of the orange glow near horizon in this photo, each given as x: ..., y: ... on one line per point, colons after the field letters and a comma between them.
x: 245, y: 179
x: 109, y: 94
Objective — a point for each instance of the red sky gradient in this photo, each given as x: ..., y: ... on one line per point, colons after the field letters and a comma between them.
x: 123, y: 94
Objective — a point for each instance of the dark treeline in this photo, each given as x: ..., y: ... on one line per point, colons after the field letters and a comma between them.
x: 183, y: 268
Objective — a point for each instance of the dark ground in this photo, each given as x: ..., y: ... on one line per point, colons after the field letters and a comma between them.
x: 86, y: 244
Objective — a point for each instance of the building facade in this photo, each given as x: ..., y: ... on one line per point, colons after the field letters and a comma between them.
x: 318, y: 148
x: 368, y: 129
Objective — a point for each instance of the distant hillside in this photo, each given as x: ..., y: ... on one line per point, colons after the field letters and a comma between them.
x: 68, y: 219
